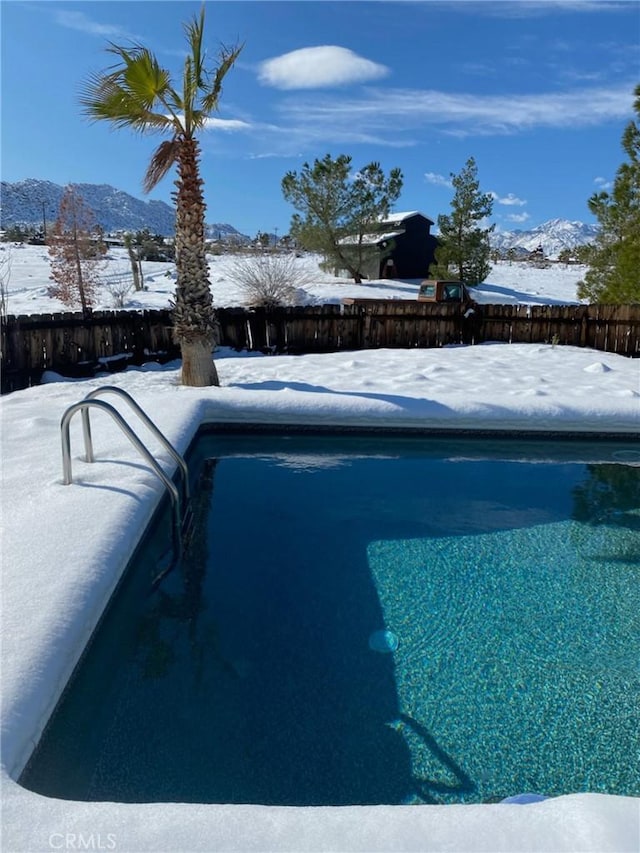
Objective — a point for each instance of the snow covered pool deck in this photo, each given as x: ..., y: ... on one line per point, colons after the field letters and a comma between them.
x: 64, y: 549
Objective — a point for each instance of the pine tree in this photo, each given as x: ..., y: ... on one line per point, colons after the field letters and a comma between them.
x: 614, y: 258
x: 340, y: 208
x: 75, y: 251
x: 464, y: 250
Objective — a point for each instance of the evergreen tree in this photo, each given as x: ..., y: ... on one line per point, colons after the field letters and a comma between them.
x: 17, y: 233
x: 614, y: 257
x: 263, y: 240
x: 464, y: 250
x: 337, y: 210
x: 75, y: 250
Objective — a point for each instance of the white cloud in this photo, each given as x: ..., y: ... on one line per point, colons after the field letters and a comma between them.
x: 603, y: 183
x: 316, y: 67
x: 271, y: 155
x: 80, y: 21
x: 534, y: 8
x: 437, y: 180
x: 510, y: 199
x: 226, y: 125
x: 517, y: 217
x: 465, y: 114
x: 296, y: 136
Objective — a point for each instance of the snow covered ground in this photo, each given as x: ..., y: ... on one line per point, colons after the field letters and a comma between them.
x: 517, y: 283
x: 64, y: 548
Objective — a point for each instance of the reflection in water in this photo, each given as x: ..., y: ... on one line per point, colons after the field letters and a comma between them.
x: 180, y: 603
x: 609, y: 495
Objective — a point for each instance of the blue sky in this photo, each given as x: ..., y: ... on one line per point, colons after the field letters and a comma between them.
x: 538, y: 92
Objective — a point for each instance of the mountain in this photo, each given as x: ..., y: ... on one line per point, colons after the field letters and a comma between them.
x: 33, y: 202
x: 554, y: 236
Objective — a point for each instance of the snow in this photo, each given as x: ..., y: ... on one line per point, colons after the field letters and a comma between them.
x: 553, y: 235
x: 516, y: 283
x: 64, y: 548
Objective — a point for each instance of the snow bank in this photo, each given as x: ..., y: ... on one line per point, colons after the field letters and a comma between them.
x: 64, y: 548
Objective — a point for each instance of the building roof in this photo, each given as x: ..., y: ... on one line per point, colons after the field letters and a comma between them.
x: 400, y: 217
x: 369, y: 239
x: 394, y: 220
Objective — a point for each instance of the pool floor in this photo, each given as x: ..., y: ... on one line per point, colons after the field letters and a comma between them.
x: 364, y: 621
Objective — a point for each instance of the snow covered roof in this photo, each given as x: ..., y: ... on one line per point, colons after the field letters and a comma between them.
x: 369, y: 239
x: 400, y: 217
x: 394, y: 220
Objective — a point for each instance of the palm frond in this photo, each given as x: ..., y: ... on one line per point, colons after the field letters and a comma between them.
x: 228, y: 56
x: 197, y: 79
x: 135, y: 93
x: 163, y: 159
x: 103, y: 99
x: 194, y: 31
x: 189, y: 92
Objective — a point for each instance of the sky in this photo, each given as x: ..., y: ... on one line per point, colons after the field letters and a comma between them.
x: 539, y: 93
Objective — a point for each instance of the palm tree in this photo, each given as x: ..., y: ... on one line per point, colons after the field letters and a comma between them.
x: 139, y: 94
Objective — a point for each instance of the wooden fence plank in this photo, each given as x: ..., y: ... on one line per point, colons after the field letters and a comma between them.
x: 75, y: 345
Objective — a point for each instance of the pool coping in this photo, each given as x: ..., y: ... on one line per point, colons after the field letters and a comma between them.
x: 516, y: 434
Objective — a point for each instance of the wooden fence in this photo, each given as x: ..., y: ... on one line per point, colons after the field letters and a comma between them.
x: 110, y: 340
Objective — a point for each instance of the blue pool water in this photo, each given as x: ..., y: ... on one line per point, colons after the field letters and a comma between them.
x: 370, y: 620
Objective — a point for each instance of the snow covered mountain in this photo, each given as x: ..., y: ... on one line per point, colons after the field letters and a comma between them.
x: 554, y: 236
x: 31, y: 202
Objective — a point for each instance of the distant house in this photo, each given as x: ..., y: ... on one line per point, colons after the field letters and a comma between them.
x: 406, y: 247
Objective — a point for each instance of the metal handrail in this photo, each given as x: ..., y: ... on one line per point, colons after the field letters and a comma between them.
x: 67, y: 477
x: 88, y: 444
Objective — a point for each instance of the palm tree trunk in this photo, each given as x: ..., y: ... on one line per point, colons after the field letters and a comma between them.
x: 198, y: 367
x: 193, y: 315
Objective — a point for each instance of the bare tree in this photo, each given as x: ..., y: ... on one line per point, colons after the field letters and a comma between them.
x: 134, y: 260
x: 5, y: 274
x: 76, y: 251
x: 119, y: 286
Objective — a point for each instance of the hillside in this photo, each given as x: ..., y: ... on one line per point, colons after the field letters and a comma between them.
x: 30, y: 202
x: 554, y: 236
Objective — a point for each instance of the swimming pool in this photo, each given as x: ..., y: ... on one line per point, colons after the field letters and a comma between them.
x: 370, y: 620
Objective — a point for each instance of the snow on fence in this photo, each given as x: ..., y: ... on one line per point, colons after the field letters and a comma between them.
x: 73, y: 345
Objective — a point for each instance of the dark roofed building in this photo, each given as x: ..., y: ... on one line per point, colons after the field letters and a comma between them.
x: 413, y: 246
x: 406, y: 247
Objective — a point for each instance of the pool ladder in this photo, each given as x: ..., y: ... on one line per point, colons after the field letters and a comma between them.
x: 180, y: 498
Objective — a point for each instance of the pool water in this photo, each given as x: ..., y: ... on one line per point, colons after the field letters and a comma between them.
x: 370, y: 620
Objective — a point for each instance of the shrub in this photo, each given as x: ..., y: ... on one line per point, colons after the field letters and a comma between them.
x: 269, y: 279
x: 118, y: 287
